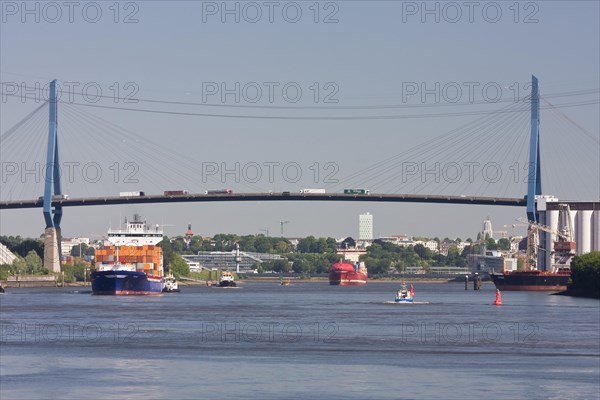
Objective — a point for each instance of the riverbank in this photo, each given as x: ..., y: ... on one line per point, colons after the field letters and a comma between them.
x: 274, y: 279
x: 575, y: 292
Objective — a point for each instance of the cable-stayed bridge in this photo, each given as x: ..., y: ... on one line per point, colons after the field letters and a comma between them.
x: 493, y: 160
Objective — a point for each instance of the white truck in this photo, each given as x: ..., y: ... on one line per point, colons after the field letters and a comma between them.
x: 131, y: 194
x: 312, y: 191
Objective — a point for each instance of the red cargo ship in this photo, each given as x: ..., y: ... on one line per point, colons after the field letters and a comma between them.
x: 348, y: 274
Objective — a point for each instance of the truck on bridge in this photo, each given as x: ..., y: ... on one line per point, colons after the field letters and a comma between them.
x: 218, y: 191
x: 131, y: 194
x: 357, y: 191
x: 176, y: 192
x: 312, y: 191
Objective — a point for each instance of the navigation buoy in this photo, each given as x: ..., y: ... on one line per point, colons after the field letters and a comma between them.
x: 498, y: 301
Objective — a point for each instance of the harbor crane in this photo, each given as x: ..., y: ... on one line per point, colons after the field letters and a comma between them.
x: 564, y: 248
x: 266, y: 231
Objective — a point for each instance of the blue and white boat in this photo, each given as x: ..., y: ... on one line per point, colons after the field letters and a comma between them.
x: 404, y: 295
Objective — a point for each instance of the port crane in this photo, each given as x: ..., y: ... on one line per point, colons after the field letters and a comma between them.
x: 564, y: 247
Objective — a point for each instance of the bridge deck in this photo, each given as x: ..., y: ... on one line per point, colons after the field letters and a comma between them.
x: 397, y: 198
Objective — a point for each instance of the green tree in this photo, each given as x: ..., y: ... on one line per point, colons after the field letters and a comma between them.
x: 33, y: 262
x: 84, y: 249
x: 262, y: 244
x: 490, y: 243
x: 585, y: 272
x: 303, y: 266
x: 305, y: 245
x: 195, y: 245
x: 19, y: 266
x: 280, y: 265
x: 75, y: 272
x: 6, y: 270
x: 22, y: 247
x: 167, y: 250
x: 179, y: 267
x: 422, y: 251
x: 504, y: 244
x: 348, y: 243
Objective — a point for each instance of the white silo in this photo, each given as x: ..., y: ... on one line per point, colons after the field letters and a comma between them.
x: 551, y: 221
x: 584, y: 230
x: 596, y: 231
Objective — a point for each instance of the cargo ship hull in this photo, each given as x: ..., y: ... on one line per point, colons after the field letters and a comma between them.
x: 531, y: 281
x: 125, y: 283
x: 346, y: 274
x: 344, y: 278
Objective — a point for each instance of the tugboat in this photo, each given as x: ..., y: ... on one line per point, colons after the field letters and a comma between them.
x: 404, y: 295
x: 171, y: 285
x: 226, y: 280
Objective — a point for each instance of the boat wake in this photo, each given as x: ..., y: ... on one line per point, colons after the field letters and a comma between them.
x: 412, y: 302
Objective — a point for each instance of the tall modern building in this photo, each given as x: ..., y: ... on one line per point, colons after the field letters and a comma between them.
x: 365, y: 227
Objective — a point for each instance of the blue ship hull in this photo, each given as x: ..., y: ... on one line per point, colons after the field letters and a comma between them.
x: 125, y: 283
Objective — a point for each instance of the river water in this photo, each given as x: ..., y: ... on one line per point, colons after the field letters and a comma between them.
x: 306, y: 340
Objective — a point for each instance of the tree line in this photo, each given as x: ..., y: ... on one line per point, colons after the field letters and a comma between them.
x: 312, y: 255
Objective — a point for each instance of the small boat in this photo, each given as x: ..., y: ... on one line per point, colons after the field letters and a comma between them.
x: 404, y: 295
x: 171, y: 285
x: 285, y: 282
x: 226, y: 280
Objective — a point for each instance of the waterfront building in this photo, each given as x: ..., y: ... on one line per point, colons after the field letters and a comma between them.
x: 227, y: 260
x: 67, y: 244
x: 6, y: 256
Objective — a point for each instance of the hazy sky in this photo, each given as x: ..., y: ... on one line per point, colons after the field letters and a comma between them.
x: 288, y: 62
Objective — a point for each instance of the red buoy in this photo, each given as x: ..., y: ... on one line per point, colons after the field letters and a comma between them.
x: 498, y: 301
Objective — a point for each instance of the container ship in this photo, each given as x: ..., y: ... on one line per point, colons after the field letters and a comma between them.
x: 130, y: 263
x: 348, y: 274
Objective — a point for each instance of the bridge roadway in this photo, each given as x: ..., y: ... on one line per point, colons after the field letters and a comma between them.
x: 285, y: 196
